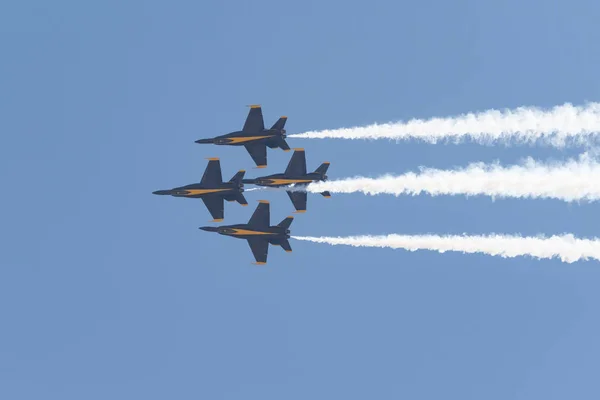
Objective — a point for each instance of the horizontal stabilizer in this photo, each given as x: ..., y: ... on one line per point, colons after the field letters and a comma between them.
x: 281, y: 143
x: 285, y: 244
x: 239, y: 197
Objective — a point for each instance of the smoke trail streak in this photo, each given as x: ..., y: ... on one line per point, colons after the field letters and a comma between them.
x: 555, y: 127
x: 574, y: 180
x: 565, y: 247
x: 263, y: 189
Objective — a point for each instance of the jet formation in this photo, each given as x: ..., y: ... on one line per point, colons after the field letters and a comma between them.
x: 214, y: 191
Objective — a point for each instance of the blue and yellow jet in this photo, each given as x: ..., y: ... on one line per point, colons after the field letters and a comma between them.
x: 258, y: 232
x: 212, y: 190
x: 254, y: 137
x: 295, y: 174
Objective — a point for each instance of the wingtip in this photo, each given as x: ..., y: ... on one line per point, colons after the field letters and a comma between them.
x: 212, y: 158
x: 263, y: 201
x: 299, y: 211
x: 261, y: 166
x: 299, y: 149
x: 283, y: 116
x: 254, y: 105
x: 242, y: 170
x: 259, y: 263
x: 217, y: 220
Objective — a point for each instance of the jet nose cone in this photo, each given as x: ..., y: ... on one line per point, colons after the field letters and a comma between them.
x: 204, y: 141
x: 162, y: 192
x: 209, y: 228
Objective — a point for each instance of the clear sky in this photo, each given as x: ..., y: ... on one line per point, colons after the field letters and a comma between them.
x: 110, y: 292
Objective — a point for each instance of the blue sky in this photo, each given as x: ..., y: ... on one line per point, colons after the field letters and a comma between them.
x: 107, y: 291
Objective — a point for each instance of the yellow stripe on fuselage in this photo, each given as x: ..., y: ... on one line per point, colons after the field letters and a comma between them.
x: 249, y: 232
x: 288, y: 181
x: 193, y: 192
x: 244, y: 139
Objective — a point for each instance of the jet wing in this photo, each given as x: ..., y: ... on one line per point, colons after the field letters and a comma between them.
x: 215, y: 205
x: 254, y: 121
x: 297, y: 165
x: 212, y: 174
x: 298, y: 200
x: 262, y: 215
x: 260, y: 249
x: 258, y: 152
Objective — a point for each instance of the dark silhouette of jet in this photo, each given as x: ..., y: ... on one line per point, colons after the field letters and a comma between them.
x: 254, y: 137
x: 212, y: 190
x: 258, y: 232
x: 295, y: 174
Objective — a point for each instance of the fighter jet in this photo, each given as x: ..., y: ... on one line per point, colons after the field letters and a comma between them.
x: 295, y: 174
x: 254, y: 137
x: 258, y: 233
x: 212, y: 190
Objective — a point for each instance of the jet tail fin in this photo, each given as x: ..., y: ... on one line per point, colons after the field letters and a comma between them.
x: 285, y: 224
x: 238, y: 177
x: 322, y: 168
x: 280, y: 124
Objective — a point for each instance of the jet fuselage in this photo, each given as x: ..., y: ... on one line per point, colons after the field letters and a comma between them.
x: 241, y: 138
x: 197, y: 190
x: 245, y: 231
x: 279, y: 180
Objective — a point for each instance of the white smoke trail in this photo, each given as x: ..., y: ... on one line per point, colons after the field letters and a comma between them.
x: 574, y: 180
x: 556, y: 127
x: 263, y: 189
x: 566, y: 247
